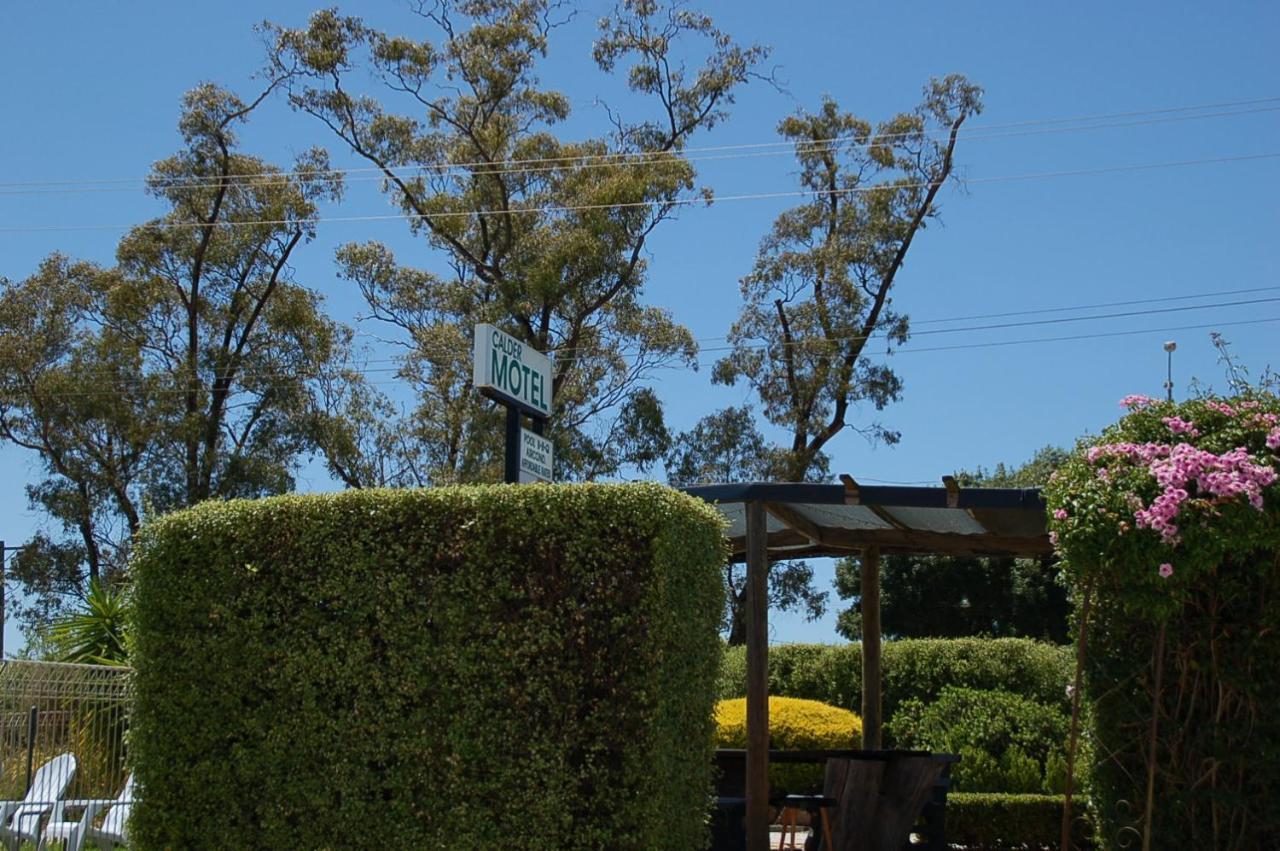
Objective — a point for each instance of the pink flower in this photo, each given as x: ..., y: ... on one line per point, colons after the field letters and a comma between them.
x: 1273, y: 439
x: 1059, y: 514
x: 1178, y: 425
x: 1053, y: 538
x: 1166, y: 570
x: 1136, y: 401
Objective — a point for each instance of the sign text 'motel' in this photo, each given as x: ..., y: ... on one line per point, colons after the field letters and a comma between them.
x: 510, y: 372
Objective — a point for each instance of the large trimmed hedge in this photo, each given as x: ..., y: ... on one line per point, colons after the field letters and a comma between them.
x: 914, y: 669
x: 519, y: 667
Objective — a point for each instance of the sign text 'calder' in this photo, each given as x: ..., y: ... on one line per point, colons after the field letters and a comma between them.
x: 507, y: 370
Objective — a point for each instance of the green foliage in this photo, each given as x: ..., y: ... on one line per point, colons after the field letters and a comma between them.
x: 184, y: 372
x: 819, y: 290
x: 995, y: 820
x: 794, y: 724
x: 1033, y: 474
x: 1015, y: 735
x: 554, y: 253
x: 913, y: 669
x: 953, y: 596
x: 477, y: 667
x: 1205, y: 577
x: 95, y: 633
x: 727, y: 446
x: 956, y: 596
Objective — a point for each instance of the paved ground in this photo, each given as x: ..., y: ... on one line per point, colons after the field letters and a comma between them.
x: 775, y: 837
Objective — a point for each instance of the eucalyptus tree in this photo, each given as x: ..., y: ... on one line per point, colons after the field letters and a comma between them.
x: 727, y: 446
x: 184, y: 371
x: 820, y: 290
x: 542, y: 235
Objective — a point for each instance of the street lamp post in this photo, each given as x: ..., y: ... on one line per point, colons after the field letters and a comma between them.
x: 1168, y: 384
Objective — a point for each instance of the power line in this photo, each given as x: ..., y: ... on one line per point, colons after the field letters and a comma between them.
x: 117, y: 386
x: 1087, y: 307
x: 586, y: 352
x: 908, y: 349
x: 1117, y: 315
x: 671, y: 202
x: 501, y: 167
x: 1074, y: 337
x: 856, y: 338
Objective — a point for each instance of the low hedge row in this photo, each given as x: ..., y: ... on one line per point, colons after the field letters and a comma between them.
x: 991, y: 820
x: 914, y: 669
x: 518, y: 667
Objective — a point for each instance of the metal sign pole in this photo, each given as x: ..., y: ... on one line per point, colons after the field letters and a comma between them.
x: 511, y: 467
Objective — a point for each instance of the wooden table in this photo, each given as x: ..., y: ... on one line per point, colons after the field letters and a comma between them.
x: 880, y: 794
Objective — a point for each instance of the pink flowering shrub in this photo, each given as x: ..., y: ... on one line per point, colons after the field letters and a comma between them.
x: 1169, y: 525
x: 1177, y: 485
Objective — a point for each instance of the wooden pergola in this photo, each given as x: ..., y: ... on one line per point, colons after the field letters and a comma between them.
x: 770, y: 521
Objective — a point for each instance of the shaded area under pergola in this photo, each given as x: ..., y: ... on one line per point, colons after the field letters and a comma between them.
x: 771, y: 521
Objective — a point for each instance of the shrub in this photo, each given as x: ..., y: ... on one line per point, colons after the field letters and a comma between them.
x: 914, y: 669
x: 1170, y: 524
x: 795, y: 670
x: 994, y: 820
x: 794, y: 724
x: 475, y: 667
x: 922, y: 669
x: 1004, y: 739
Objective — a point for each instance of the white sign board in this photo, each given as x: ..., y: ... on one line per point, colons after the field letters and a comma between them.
x: 507, y: 370
x: 535, y: 457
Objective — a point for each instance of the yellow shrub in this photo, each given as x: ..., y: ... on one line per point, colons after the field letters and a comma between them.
x: 794, y: 724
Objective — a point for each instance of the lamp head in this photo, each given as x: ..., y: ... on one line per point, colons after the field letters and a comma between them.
x: 1170, y: 346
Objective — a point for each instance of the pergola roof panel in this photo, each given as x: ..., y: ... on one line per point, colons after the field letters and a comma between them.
x: 843, y: 516
x: 810, y: 520
x: 947, y: 521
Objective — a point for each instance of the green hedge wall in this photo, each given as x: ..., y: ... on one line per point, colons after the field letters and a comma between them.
x: 914, y: 669
x: 988, y: 820
x: 523, y: 667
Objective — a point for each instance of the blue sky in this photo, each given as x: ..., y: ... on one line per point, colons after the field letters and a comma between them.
x: 91, y: 91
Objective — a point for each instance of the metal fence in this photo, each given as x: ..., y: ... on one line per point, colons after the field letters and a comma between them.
x: 51, y: 708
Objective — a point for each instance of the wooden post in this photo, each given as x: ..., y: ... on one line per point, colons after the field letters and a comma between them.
x: 757, y: 604
x: 870, y: 604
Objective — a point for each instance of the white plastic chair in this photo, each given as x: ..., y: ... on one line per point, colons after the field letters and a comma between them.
x: 76, y: 833
x: 20, y: 820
